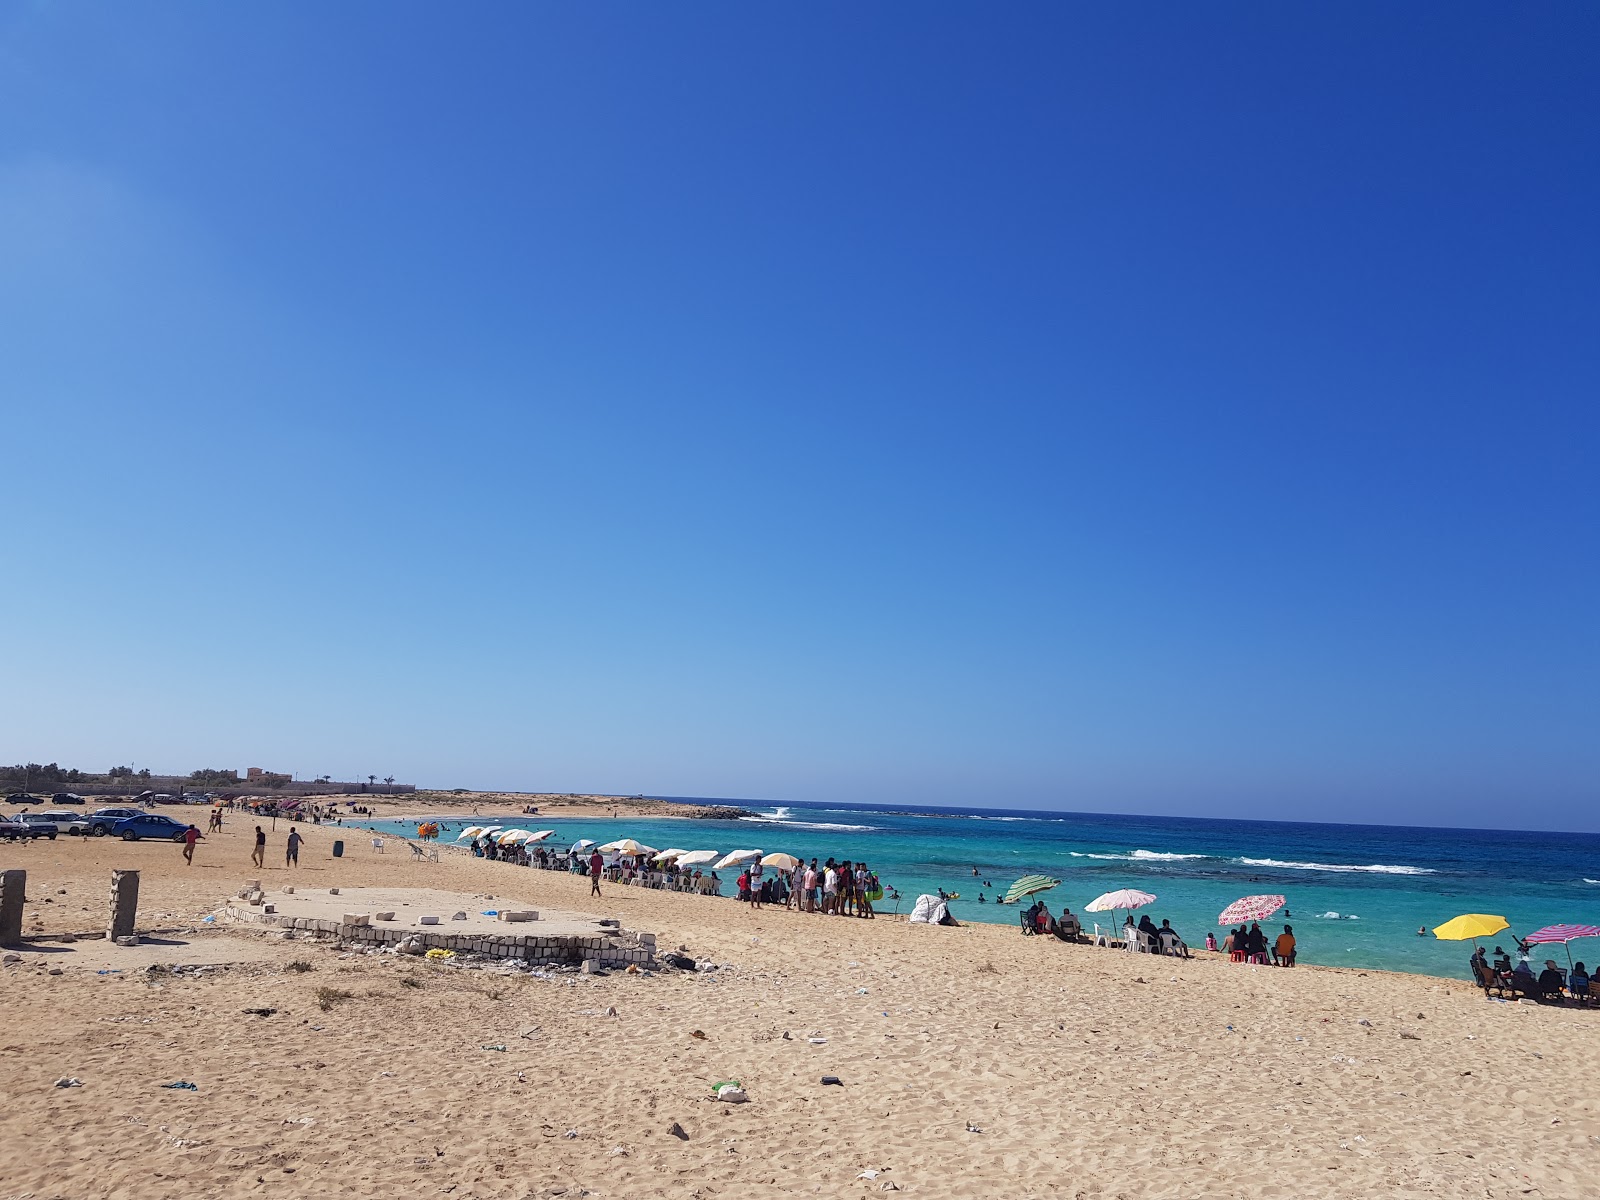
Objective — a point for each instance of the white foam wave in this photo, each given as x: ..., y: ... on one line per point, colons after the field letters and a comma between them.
x: 1374, y: 868
x: 1586, y: 879
x: 790, y: 823
x: 1157, y: 856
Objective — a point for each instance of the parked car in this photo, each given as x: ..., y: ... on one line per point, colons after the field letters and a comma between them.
x: 13, y: 829
x: 21, y: 799
x: 66, y: 798
x: 101, y: 820
x: 68, y: 822
x: 162, y: 798
x: 39, y: 821
x: 149, y: 825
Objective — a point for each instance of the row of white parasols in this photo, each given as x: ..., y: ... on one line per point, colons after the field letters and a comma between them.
x: 500, y: 835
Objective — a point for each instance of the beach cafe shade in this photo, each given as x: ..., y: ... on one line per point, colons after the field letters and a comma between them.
x: 1128, y: 898
x: 627, y: 846
x: 1027, y: 886
x: 734, y: 857
x: 784, y: 862
x: 1251, y: 908
x: 1470, y: 925
x: 695, y: 858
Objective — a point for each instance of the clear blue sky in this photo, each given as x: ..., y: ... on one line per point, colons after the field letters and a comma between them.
x: 1163, y: 410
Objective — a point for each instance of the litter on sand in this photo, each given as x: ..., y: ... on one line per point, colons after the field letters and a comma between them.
x: 189, y: 1087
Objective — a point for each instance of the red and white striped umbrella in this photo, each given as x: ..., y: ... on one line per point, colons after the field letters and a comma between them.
x: 1563, y: 933
x: 1251, y: 908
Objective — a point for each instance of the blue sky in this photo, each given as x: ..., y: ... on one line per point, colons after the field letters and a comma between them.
x: 1158, y: 411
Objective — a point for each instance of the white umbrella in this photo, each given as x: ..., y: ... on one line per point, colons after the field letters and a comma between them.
x: 511, y: 835
x: 490, y: 830
x: 784, y: 862
x: 667, y: 855
x: 734, y: 857
x: 1129, y: 898
x: 541, y: 835
x: 627, y: 846
x: 473, y: 832
x: 695, y: 858
x: 582, y: 844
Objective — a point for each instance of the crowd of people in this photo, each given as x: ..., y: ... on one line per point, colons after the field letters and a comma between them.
x: 1248, y: 943
x: 1552, y: 985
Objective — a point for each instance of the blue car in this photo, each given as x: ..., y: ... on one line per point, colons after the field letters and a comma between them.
x: 150, y: 825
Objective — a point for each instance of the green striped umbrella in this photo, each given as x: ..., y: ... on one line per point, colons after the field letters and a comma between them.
x: 1028, y: 885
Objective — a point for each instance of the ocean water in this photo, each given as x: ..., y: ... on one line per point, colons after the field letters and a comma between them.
x: 1356, y: 893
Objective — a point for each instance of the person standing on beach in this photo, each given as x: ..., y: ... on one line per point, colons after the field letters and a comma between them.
x: 756, y: 871
x: 291, y: 848
x: 191, y: 835
x: 596, y: 863
x: 258, y: 856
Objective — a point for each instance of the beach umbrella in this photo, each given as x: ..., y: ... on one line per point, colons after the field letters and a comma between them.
x: 1251, y: 908
x: 1128, y: 898
x: 627, y: 846
x: 511, y: 835
x: 1470, y: 925
x: 668, y: 855
x: 735, y: 857
x: 1563, y: 934
x: 540, y: 836
x: 1027, y: 886
x: 582, y: 844
x: 491, y: 830
x: 784, y: 862
x: 695, y: 858
x: 470, y: 831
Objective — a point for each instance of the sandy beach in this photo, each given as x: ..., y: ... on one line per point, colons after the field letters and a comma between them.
x: 972, y: 1061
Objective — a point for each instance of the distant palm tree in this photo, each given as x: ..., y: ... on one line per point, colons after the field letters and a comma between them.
x: 388, y: 781
x: 371, y: 779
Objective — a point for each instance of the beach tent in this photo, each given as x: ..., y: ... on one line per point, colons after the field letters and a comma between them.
x: 696, y: 858
x: 930, y: 910
x: 735, y: 857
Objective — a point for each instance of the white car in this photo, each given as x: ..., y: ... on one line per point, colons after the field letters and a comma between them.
x: 67, y: 822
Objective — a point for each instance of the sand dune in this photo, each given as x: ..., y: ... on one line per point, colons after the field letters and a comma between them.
x: 974, y: 1062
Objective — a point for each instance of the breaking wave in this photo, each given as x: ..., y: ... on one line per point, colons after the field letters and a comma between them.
x: 1374, y: 868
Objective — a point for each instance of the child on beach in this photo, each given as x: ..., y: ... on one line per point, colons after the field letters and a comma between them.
x: 191, y: 835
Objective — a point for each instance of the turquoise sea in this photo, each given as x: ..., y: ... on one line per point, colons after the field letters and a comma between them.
x: 1356, y: 893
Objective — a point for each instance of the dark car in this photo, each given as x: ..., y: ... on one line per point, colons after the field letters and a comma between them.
x: 66, y: 798
x: 22, y: 799
x: 149, y: 825
x: 103, y: 820
x: 12, y: 828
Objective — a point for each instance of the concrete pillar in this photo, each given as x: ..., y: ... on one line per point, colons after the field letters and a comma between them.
x: 13, y: 888
x: 124, y: 903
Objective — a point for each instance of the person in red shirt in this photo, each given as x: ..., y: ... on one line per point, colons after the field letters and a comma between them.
x: 191, y: 835
x: 595, y: 864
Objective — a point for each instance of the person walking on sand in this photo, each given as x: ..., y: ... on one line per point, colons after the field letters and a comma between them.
x: 258, y: 856
x: 291, y: 848
x: 595, y: 865
x: 191, y: 835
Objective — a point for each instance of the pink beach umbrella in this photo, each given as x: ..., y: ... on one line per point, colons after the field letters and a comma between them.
x: 1251, y: 908
x: 1562, y: 934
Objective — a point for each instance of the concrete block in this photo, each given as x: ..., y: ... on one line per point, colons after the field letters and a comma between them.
x: 427, y: 920
x: 333, y: 891
x: 358, y: 918
x: 289, y: 891
x: 269, y: 908
x: 383, y: 916
x: 647, y: 939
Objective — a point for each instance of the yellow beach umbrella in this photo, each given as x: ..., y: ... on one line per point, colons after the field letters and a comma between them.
x: 1470, y: 925
x: 784, y: 862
